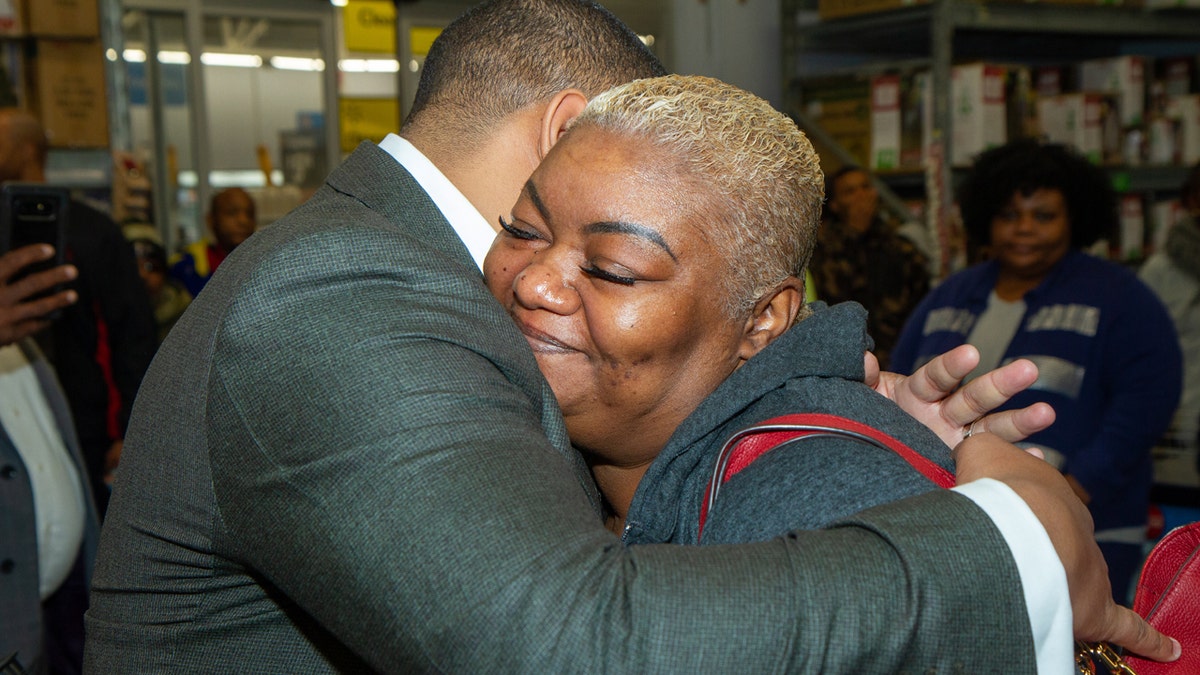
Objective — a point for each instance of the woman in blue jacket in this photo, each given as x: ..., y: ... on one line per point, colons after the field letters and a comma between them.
x: 1106, y: 352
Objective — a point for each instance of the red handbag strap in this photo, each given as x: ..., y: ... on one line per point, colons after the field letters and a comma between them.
x: 751, y: 443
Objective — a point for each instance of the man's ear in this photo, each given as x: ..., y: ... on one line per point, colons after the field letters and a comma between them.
x: 773, y: 314
x: 559, y: 112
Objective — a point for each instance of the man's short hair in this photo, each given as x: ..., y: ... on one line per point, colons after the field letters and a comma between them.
x: 503, y: 55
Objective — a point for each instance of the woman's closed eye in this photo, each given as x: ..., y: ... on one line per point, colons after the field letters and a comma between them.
x: 518, y: 232
x: 604, y: 275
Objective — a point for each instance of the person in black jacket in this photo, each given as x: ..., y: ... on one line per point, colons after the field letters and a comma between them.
x: 101, y: 346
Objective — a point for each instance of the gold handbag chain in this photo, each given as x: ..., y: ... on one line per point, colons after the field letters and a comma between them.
x: 1088, y: 654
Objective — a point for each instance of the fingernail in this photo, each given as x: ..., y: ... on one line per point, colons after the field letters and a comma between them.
x: 1177, y: 651
x: 72, y: 271
x: 72, y: 297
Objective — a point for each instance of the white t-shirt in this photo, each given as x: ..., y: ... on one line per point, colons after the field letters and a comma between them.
x: 58, y: 496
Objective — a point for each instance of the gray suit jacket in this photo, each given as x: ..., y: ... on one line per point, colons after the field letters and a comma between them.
x: 344, y: 458
x: 20, y: 602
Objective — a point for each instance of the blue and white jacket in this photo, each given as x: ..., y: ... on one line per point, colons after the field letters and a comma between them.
x: 1108, y: 363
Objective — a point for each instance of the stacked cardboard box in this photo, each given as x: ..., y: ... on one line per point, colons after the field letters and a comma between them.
x: 65, y: 86
x: 1086, y: 120
x: 1123, y: 77
x: 978, y: 116
x: 50, y: 18
x: 64, y: 69
x: 898, y: 111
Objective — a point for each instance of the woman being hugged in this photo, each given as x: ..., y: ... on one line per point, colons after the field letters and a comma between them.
x: 655, y: 263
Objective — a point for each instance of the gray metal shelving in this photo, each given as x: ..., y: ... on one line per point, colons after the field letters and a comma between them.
x: 938, y: 33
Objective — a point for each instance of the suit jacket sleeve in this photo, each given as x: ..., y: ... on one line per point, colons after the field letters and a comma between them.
x: 398, y: 487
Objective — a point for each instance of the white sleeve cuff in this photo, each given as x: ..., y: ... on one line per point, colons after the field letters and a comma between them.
x: 1042, y: 575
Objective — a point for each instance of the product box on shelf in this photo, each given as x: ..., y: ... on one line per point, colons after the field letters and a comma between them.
x: 1185, y: 111
x: 1020, y: 101
x: 1124, y: 76
x: 1086, y: 120
x: 1164, y: 214
x: 978, y: 116
x: 897, y: 104
x: 65, y: 87
x: 1171, y: 4
x: 1131, y: 240
x: 842, y: 108
x: 834, y: 9
x: 1177, y: 74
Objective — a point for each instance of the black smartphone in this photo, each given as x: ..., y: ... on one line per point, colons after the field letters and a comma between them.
x: 32, y: 213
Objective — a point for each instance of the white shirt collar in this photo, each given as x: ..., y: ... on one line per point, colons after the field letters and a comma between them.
x: 474, y: 231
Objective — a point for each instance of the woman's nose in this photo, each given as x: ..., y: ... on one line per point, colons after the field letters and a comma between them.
x: 1026, y: 222
x: 541, y: 286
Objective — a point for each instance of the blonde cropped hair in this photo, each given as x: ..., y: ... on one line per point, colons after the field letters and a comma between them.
x: 760, y: 178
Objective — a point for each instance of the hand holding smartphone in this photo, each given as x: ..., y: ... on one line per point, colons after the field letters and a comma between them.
x: 33, y: 275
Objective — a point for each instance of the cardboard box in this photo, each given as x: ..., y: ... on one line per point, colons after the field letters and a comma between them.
x: 63, y: 18
x: 1132, y: 238
x: 1085, y: 120
x: 1050, y: 80
x: 898, y: 129
x: 1185, y: 111
x: 12, y: 18
x: 886, y: 138
x: 1020, y: 102
x: 842, y: 107
x: 1163, y: 216
x: 67, y: 91
x: 833, y: 9
x: 1177, y: 75
x: 978, y: 117
x: 1124, y: 76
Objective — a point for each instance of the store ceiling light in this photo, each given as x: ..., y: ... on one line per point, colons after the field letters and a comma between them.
x: 296, y: 63
x: 231, y: 60
x: 369, y: 65
x: 177, y: 58
x: 134, y: 56
x: 339, y: 3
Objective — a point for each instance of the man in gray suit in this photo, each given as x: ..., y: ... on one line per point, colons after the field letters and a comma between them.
x: 344, y: 458
x: 48, y: 522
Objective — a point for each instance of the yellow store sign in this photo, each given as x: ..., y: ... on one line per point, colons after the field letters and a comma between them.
x: 370, y: 26
x: 367, y: 119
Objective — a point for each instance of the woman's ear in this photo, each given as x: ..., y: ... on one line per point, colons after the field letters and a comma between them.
x: 773, y: 314
x: 559, y: 112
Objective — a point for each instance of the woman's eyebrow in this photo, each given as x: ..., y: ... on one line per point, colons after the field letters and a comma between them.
x: 635, y: 229
x: 531, y: 190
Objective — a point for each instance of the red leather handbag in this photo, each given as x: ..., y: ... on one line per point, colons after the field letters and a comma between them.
x: 1168, y: 595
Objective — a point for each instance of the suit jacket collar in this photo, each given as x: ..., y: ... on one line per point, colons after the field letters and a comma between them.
x: 374, y: 178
